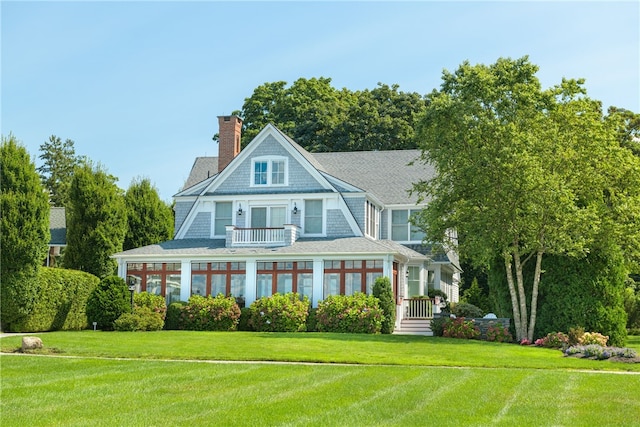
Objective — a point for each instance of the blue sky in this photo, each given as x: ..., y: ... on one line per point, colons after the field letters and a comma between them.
x: 138, y: 85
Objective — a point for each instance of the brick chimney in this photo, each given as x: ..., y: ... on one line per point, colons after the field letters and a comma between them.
x: 230, y: 130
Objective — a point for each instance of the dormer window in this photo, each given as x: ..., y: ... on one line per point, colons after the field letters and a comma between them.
x: 269, y: 172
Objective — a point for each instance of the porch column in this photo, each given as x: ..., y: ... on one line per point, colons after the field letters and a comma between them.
x: 318, y: 282
x: 250, y: 291
x: 185, y: 280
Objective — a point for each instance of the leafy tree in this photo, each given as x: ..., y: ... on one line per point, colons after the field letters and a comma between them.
x: 107, y: 302
x: 24, y: 230
x: 382, y: 290
x: 57, y: 170
x: 96, y: 221
x: 523, y: 172
x: 149, y: 219
x: 474, y: 295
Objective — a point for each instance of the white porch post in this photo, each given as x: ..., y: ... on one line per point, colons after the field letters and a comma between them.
x: 185, y: 280
x: 318, y: 279
x: 437, y: 277
x: 250, y: 291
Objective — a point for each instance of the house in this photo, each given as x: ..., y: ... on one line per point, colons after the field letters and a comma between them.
x: 273, y: 217
x: 58, y: 230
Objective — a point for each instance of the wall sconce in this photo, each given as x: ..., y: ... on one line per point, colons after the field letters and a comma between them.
x: 240, y: 210
x: 295, y: 209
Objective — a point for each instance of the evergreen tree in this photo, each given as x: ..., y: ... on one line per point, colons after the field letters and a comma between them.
x: 96, y: 221
x: 57, y: 170
x: 149, y: 219
x: 24, y: 231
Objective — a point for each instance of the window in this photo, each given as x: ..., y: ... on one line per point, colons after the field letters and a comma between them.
x: 160, y: 278
x: 213, y: 278
x: 313, y: 217
x: 349, y: 277
x: 372, y: 220
x: 223, y: 218
x: 269, y: 172
x: 272, y: 216
x: 284, y: 277
x: 401, y: 229
x: 413, y: 282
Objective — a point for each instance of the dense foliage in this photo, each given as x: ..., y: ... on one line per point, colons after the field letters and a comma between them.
x: 383, y: 291
x: 108, y: 301
x: 174, y: 312
x: 149, y: 219
x: 357, y: 313
x: 24, y: 231
x: 279, y: 313
x: 96, y: 222
x: 61, y: 302
x: 59, y: 161
x: 142, y: 319
x: 522, y: 172
x: 322, y: 118
x: 460, y: 328
x: 209, y: 313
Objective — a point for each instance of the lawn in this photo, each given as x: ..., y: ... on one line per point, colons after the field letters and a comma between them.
x: 167, y: 378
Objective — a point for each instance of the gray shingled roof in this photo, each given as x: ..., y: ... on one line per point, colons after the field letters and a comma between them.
x: 302, y: 247
x: 203, y: 168
x: 58, y: 226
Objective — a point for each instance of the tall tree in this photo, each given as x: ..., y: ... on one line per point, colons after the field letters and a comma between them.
x: 24, y: 230
x: 57, y: 170
x: 523, y: 172
x: 149, y: 219
x: 96, y: 221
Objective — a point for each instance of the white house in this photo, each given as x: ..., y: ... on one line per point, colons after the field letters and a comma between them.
x: 275, y: 218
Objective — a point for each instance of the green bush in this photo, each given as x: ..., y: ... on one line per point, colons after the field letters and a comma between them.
x: 553, y: 340
x: 172, y: 320
x: 108, y: 301
x: 61, y: 301
x: 312, y: 320
x: 357, y: 313
x: 499, y: 333
x: 464, y: 309
x: 279, y: 313
x: 155, y: 303
x: 209, y: 313
x: 476, y: 296
x: 142, y: 319
x: 382, y: 290
x: 460, y: 328
x: 243, y: 322
x: 437, y: 325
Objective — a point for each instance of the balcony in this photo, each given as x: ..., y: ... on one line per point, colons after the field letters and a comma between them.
x: 261, y: 237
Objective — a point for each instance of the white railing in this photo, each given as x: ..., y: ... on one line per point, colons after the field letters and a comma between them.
x: 258, y: 236
x: 418, y: 308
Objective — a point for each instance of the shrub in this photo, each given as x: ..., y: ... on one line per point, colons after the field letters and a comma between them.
x: 210, y: 314
x: 108, y: 301
x: 142, y: 319
x: 437, y: 325
x: 61, y: 301
x: 155, y: 303
x: 312, y: 320
x: 464, y: 309
x: 172, y: 319
x: 594, y: 338
x: 382, y: 290
x: 461, y: 328
x: 575, y: 335
x: 279, y: 313
x: 243, y: 322
x: 553, y: 340
x: 499, y: 333
x: 357, y: 313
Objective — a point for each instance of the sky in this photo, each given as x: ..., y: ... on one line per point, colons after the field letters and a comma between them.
x: 138, y: 85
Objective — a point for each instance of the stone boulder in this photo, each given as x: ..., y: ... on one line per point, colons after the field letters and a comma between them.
x: 31, y: 343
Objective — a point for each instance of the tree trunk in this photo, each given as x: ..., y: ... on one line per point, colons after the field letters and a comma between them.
x: 522, y: 296
x: 534, y: 295
x: 514, y: 298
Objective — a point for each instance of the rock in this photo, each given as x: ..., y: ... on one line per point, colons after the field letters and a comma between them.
x: 31, y: 343
x: 490, y: 316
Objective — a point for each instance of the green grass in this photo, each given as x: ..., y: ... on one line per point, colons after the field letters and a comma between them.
x: 167, y: 379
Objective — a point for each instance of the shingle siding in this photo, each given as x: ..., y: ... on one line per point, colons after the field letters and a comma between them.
x: 337, y: 224
x: 181, y: 210
x: 356, y: 206
x: 200, y: 227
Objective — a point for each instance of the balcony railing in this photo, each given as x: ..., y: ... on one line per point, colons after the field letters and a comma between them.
x: 418, y: 308
x: 269, y: 236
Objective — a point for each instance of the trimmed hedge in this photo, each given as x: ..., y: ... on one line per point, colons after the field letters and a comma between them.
x: 210, y: 314
x: 382, y: 290
x: 108, y: 301
x: 357, y: 313
x: 279, y: 313
x: 172, y: 319
x: 61, y: 301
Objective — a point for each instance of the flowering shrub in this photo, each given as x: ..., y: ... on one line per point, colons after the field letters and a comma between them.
x: 279, y: 313
x: 525, y: 341
x: 594, y: 338
x: 575, y: 335
x: 142, y: 319
x: 155, y: 303
x: 437, y: 325
x: 499, y: 334
x: 357, y: 313
x: 209, y: 314
x: 460, y: 328
x: 553, y: 340
x: 599, y: 352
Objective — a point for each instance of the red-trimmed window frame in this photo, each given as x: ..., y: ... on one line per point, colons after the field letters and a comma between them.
x: 275, y: 269
x: 228, y: 272
x: 145, y: 271
x: 343, y: 270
